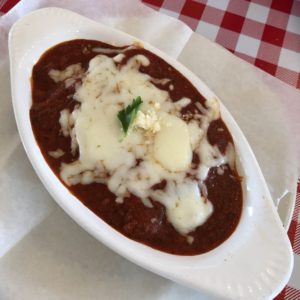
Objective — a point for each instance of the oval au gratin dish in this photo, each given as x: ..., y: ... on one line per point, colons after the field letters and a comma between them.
x: 144, y: 156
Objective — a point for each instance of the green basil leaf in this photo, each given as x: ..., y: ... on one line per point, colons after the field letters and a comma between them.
x: 128, y: 114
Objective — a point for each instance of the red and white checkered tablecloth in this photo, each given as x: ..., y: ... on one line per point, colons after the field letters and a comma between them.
x: 266, y: 33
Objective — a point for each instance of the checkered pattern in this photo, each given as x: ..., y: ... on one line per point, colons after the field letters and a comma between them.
x: 289, y: 294
x: 6, y: 5
x: 265, y: 33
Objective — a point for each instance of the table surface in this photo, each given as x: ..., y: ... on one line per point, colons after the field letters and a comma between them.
x: 265, y: 33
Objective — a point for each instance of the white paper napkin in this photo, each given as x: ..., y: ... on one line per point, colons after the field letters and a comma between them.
x: 52, y: 257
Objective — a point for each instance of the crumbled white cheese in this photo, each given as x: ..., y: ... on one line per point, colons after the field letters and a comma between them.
x: 148, y: 121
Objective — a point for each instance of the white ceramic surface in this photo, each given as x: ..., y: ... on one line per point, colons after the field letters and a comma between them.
x: 254, y: 263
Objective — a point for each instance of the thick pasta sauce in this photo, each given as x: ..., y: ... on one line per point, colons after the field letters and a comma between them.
x: 131, y: 217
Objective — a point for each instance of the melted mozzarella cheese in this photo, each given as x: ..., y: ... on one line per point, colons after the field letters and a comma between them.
x: 195, y: 133
x: 189, y: 209
x: 186, y: 208
x: 105, y: 156
x: 70, y: 71
x: 172, y: 147
x: 57, y: 153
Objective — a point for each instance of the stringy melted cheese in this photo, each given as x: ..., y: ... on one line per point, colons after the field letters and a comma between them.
x: 160, y: 141
x: 68, y: 75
